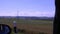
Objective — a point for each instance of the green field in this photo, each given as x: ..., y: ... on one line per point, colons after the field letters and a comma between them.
x: 30, y: 25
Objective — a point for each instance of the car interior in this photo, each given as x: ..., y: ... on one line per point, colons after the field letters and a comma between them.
x: 56, y: 22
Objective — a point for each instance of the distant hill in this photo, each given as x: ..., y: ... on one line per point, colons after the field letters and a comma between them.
x: 30, y: 18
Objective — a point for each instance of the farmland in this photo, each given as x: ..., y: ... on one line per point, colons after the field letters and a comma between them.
x: 35, y: 26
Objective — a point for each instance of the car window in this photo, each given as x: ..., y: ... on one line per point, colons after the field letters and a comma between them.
x: 28, y: 16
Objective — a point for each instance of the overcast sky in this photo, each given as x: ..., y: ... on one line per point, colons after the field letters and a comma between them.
x: 27, y: 8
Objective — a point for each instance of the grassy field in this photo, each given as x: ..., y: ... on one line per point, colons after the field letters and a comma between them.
x: 31, y: 26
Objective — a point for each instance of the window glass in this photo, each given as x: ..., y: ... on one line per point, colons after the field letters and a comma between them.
x: 33, y: 16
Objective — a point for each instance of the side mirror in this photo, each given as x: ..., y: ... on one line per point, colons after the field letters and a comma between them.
x: 5, y: 29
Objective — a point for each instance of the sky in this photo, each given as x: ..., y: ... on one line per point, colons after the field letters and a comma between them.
x: 37, y: 8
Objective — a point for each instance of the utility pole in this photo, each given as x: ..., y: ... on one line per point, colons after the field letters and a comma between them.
x: 15, y: 23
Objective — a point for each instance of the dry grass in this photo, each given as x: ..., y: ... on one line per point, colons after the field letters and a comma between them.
x: 35, y: 28
x: 31, y: 26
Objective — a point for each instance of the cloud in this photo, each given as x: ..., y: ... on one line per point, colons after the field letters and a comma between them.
x: 48, y: 14
x: 30, y: 13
